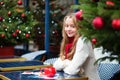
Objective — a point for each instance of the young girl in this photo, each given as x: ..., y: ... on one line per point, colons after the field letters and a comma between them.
x: 76, y: 55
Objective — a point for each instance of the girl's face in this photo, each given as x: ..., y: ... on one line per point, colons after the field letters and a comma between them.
x: 70, y: 28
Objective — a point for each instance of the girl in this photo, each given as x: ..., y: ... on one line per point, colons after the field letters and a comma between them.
x: 76, y: 55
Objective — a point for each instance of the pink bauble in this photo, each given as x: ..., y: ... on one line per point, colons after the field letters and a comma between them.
x: 116, y: 24
x: 78, y: 15
x: 98, y: 23
x: 94, y: 40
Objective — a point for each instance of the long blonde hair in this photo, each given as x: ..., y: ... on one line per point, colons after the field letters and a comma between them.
x: 65, y: 38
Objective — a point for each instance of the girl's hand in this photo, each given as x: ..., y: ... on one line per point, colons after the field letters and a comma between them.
x: 62, y: 58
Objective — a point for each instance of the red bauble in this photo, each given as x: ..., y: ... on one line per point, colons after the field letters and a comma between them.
x: 78, y: 15
x: 94, y: 40
x: 17, y: 31
x: 98, y: 23
x: 110, y: 3
x: 22, y: 15
x: 116, y: 24
x: 49, y: 71
x: 2, y: 35
x: 14, y: 34
x: 19, y: 2
x: 27, y: 35
x: 9, y: 13
x: 1, y: 18
x: 1, y: 3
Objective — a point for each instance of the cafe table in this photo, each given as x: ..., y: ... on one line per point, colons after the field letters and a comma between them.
x: 32, y: 70
x: 36, y: 75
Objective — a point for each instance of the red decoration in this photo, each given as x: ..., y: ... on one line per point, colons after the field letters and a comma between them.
x: 17, y: 31
x: 110, y: 3
x: 1, y: 18
x: 27, y: 35
x: 79, y: 15
x: 14, y: 34
x: 19, y: 2
x: 98, y: 23
x: 94, y: 40
x: 116, y: 24
x: 2, y: 35
x: 9, y: 13
x: 1, y: 3
x: 22, y: 15
x: 49, y: 71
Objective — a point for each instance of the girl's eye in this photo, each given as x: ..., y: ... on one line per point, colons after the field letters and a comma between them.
x: 66, y: 25
x: 70, y: 26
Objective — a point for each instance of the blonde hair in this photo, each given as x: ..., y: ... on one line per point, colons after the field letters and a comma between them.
x: 65, y: 38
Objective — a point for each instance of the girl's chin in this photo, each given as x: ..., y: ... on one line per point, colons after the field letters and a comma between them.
x: 70, y: 36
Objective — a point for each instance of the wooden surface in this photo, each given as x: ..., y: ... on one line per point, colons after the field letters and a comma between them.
x: 21, y: 65
x: 81, y: 78
x: 12, y: 59
x: 3, y: 77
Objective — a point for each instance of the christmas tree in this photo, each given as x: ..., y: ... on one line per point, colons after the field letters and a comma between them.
x: 55, y: 17
x: 100, y: 23
x: 38, y: 8
x: 16, y: 22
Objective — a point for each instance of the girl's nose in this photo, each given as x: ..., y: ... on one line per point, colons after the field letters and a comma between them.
x: 69, y: 27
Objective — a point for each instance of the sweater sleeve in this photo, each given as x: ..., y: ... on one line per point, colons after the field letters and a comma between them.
x: 80, y: 56
x: 60, y: 64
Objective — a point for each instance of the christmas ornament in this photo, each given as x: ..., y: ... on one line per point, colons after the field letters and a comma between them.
x: 19, y: 2
x: 94, y: 40
x: 27, y: 35
x: 1, y: 3
x: 3, y: 35
x: 17, y: 31
x: 14, y: 34
x: 49, y: 71
x: 110, y: 3
x: 78, y: 15
x: 116, y: 24
x: 1, y: 18
x: 23, y: 15
x: 9, y: 13
x: 98, y: 23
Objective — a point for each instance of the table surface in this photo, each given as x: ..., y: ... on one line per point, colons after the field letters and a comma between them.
x: 36, y: 75
x: 11, y: 59
x: 31, y: 70
x: 21, y: 65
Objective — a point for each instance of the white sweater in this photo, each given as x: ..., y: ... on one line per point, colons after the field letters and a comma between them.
x: 83, y: 60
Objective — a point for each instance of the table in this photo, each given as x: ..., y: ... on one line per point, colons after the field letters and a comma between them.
x: 11, y: 59
x: 31, y: 70
x: 21, y: 65
x: 34, y: 75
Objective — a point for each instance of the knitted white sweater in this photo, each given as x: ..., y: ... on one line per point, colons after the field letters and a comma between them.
x: 83, y: 60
